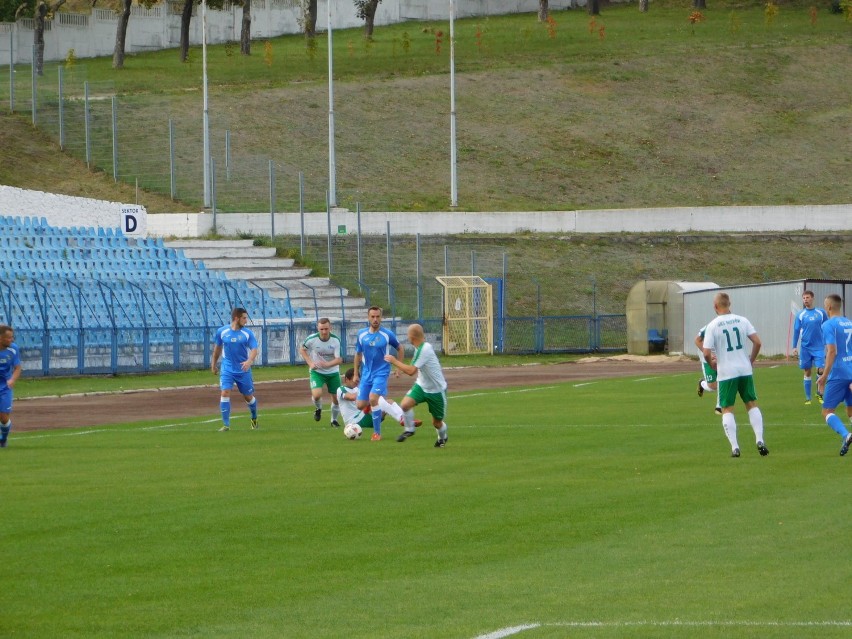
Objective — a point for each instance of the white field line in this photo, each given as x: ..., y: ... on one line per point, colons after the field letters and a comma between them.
x: 502, y: 633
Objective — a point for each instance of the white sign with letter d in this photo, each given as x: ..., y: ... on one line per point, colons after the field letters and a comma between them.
x: 133, y: 220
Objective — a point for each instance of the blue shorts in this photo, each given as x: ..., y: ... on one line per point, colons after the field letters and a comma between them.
x: 837, y: 391
x: 6, y: 397
x: 243, y: 380
x: 374, y: 383
x: 810, y: 358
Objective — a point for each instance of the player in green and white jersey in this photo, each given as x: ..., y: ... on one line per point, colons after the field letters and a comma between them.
x: 725, y: 337
x: 430, y: 387
x: 708, y: 382
x: 321, y: 352
x: 347, y: 396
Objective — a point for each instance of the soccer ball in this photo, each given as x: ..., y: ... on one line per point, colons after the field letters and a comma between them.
x: 352, y: 431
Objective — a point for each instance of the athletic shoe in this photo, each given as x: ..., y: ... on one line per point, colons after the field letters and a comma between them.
x: 317, y: 414
x: 718, y: 411
x: 700, y: 388
x: 440, y: 443
x: 819, y: 397
x: 376, y: 438
x: 762, y: 449
x: 807, y: 402
x: 5, y: 441
x: 334, y: 424
x: 843, y: 449
x: 224, y: 429
x: 735, y: 452
x: 254, y: 424
x: 405, y: 435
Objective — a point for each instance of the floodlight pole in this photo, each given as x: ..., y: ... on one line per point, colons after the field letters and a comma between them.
x: 332, y: 167
x: 206, y: 115
x: 454, y: 189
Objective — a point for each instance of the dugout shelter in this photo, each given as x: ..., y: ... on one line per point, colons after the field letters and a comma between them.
x: 655, y: 315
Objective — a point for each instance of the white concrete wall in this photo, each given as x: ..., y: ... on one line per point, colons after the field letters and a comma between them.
x: 63, y: 210
x: 159, y: 27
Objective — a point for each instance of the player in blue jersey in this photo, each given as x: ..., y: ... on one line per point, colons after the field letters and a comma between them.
x: 835, y: 381
x: 238, y: 348
x: 10, y: 371
x: 807, y: 333
x: 371, y: 369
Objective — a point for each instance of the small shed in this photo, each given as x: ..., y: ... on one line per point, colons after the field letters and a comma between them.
x: 655, y: 315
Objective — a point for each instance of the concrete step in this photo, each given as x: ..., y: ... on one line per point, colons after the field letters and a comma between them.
x: 265, y: 263
x: 235, y: 253
x: 217, y: 244
x: 286, y: 276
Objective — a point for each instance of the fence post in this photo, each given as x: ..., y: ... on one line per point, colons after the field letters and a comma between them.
x: 172, y: 180
x: 213, y: 192
x: 227, y: 155
x: 12, y: 68
x: 302, y: 212
x: 473, y: 262
x: 34, y: 85
x: 446, y: 260
x: 271, y: 193
x: 388, y: 255
x: 328, y: 232
x: 360, y: 259
x: 61, y: 111
x: 86, y: 120
x: 114, y: 139
x: 419, y: 278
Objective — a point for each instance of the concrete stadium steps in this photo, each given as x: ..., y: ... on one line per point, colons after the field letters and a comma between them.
x: 241, y: 260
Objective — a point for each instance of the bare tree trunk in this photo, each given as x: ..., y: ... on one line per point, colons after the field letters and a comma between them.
x: 185, y: 18
x: 699, y: 4
x: 643, y: 6
x: 311, y: 19
x: 121, y: 35
x: 370, y: 17
x: 245, y: 31
x: 594, y: 7
x: 543, y: 10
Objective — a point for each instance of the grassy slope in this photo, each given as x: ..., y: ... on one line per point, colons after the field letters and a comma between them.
x: 657, y: 113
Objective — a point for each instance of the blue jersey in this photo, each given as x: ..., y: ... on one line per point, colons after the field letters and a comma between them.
x: 9, y: 361
x: 235, y: 347
x: 373, y: 348
x: 808, y: 328
x: 838, y: 331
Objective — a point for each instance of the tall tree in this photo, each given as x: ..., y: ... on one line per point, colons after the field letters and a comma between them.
x: 309, y: 16
x: 245, y: 29
x: 543, y: 10
x: 366, y: 10
x: 43, y: 11
x: 593, y: 7
x: 121, y: 35
x: 699, y: 4
x: 185, y: 18
x: 643, y: 5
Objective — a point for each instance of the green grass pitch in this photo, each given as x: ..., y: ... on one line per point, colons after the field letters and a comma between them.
x: 604, y: 509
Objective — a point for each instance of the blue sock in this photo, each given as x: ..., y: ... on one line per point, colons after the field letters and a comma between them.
x: 377, y: 421
x: 225, y: 407
x: 253, y: 407
x: 807, y: 383
x: 4, y: 430
x: 836, y: 424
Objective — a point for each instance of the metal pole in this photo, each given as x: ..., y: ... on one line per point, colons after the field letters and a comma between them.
x: 328, y: 231
x: 302, y: 212
x: 87, y: 118
x: 114, y: 140
x: 388, y: 253
x: 473, y: 262
x: 446, y: 260
x: 419, y: 279
x: 271, y: 196
x: 172, y: 180
x: 34, y: 85
x: 61, y: 111
x: 213, y: 192
x: 12, y: 67
x: 454, y: 189
x: 360, y: 261
x: 228, y: 155
x: 206, y: 117
x: 332, y: 167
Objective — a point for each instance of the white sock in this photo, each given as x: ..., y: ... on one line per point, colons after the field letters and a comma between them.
x: 442, y: 431
x: 705, y: 385
x: 335, y: 412
x: 756, y: 419
x: 390, y: 408
x: 318, y: 403
x: 730, y: 426
x: 409, y: 420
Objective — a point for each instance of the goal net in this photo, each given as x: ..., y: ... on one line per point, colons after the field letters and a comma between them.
x: 468, y: 315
